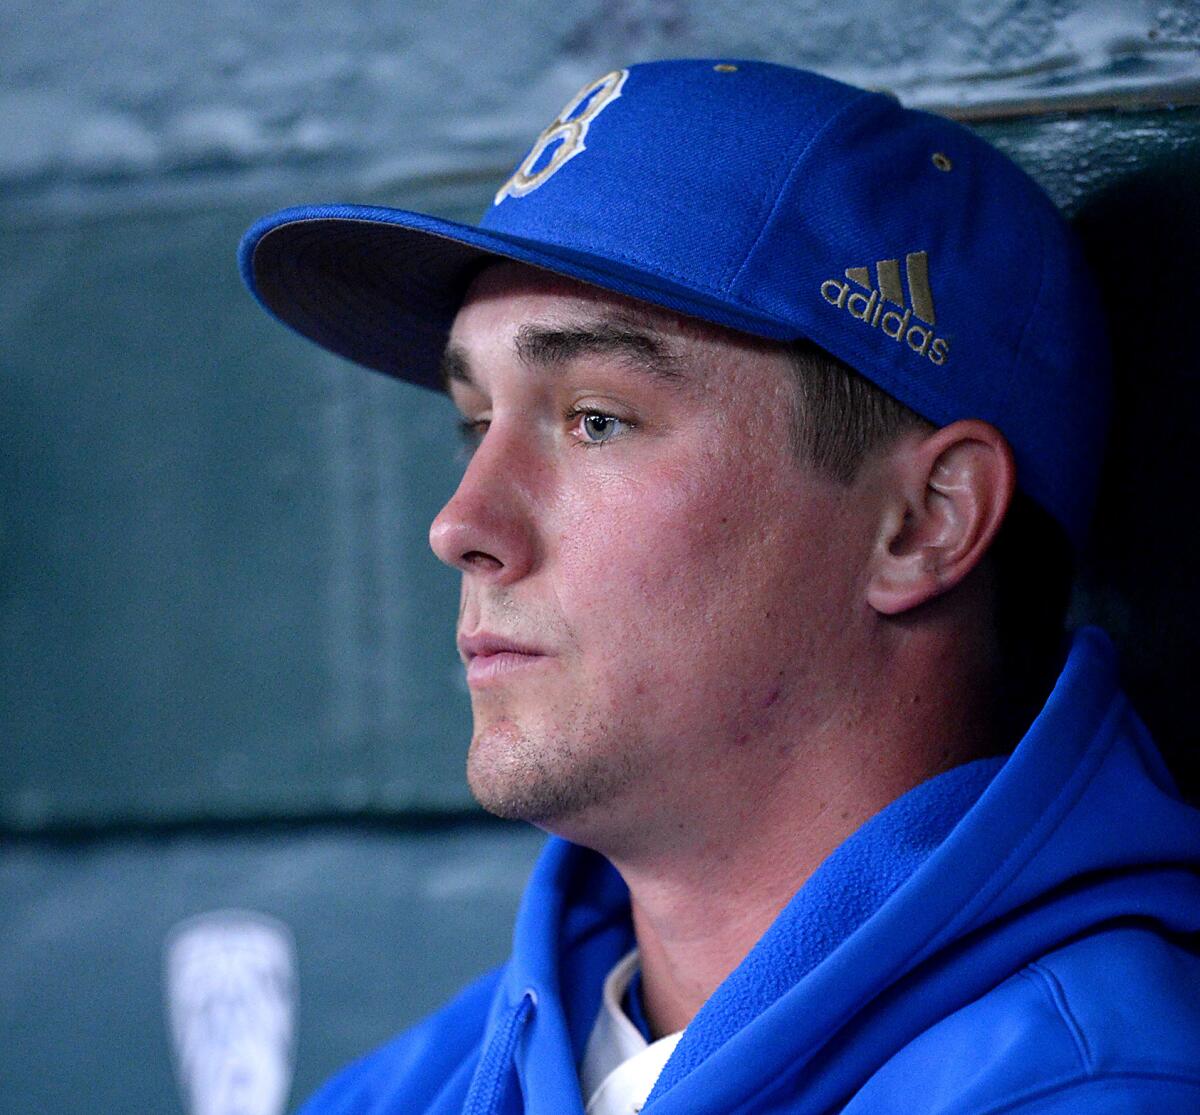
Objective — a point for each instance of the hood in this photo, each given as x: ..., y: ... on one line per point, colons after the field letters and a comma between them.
x: 943, y: 895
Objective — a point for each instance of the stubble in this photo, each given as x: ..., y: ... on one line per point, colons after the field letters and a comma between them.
x: 546, y: 775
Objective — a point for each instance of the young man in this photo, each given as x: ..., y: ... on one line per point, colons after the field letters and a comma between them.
x: 778, y: 393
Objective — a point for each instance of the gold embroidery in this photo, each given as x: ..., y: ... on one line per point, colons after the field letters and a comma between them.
x: 917, y: 264
x: 888, y: 271
x: 569, y: 130
x: 900, y: 325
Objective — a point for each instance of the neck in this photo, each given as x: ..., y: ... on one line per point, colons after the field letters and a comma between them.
x: 704, y: 895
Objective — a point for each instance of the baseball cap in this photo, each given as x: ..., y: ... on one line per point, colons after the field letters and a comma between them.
x: 769, y: 199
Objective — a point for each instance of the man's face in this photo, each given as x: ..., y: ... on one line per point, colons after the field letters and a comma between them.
x: 655, y: 592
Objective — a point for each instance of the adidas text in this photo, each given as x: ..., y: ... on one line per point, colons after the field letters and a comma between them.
x: 900, y: 326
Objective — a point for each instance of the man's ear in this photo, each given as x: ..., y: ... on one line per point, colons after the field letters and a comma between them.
x: 946, y: 495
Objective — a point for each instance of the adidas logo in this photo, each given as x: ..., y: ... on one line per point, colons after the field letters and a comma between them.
x: 887, y: 288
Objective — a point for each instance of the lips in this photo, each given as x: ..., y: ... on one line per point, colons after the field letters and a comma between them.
x: 492, y: 657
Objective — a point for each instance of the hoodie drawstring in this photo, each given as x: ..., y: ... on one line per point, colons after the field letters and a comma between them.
x: 495, y: 1068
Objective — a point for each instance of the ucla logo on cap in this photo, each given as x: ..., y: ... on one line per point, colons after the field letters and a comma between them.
x: 565, y: 135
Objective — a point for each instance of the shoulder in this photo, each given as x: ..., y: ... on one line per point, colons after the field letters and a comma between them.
x: 1109, y: 1022
x: 410, y: 1071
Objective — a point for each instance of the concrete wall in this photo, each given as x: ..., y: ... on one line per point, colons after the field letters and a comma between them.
x: 227, y: 665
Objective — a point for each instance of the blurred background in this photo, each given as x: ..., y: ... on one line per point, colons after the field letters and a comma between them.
x: 227, y: 672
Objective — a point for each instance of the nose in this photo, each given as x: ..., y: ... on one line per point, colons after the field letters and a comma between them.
x: 486, y: 528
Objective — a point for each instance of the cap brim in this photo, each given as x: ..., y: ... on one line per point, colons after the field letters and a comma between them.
x: 381, y: 286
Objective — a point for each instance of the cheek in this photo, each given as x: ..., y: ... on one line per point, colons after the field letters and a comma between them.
x: 669, y: 595
x: 657, y: 546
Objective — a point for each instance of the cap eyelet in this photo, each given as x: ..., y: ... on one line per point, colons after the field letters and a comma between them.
x: 725, y: 68
x: 942, y: 162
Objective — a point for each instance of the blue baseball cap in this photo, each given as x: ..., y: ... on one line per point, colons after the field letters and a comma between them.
x: 769, y: 199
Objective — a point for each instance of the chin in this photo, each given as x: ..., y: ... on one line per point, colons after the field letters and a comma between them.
x: 543, y: 778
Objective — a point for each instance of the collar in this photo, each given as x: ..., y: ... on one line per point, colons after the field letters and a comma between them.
x: 619, y: 1066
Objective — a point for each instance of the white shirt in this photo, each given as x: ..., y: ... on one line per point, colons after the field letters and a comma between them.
x: 619, y: 1067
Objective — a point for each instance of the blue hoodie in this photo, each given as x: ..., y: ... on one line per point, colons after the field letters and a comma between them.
x: 1018, y: 935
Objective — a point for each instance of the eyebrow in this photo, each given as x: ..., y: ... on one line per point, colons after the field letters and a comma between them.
x: 454, y: 367
x: 551, y: 346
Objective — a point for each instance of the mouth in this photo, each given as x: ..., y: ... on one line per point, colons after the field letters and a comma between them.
x: 491, y: 658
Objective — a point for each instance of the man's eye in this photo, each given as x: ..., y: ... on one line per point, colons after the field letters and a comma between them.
x: 595, y: 427
x: 472, y: 431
